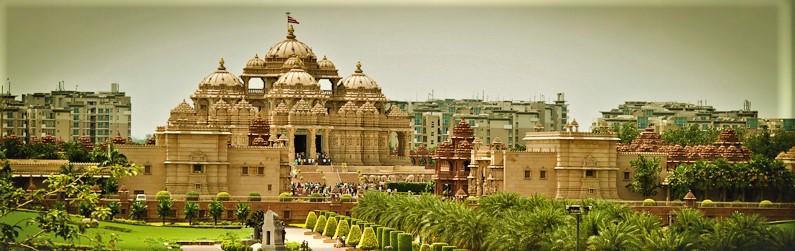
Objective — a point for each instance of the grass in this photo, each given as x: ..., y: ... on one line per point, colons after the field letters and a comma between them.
x: 786, y: 224
x: 134, y: 240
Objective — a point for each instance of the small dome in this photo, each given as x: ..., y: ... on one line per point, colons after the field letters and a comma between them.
x: 289, y: 47
x: 296, y: 76
x: 325, y: 64
x: 293, y: 62
x: 255, y: 63
x: 221, y: 77
x: 359, y: 80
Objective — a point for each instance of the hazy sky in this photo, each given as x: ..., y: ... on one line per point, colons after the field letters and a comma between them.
x: 600, y: 56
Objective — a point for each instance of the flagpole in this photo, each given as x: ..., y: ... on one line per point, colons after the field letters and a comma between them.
x: 288, y: 19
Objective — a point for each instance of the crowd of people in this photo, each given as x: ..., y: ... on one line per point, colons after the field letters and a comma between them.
x: 307, y: 188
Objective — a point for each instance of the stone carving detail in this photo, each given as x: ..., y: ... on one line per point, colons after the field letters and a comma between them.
x: 198, y: 156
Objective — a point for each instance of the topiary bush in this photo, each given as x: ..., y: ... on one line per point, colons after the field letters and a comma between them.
x: 471, y: 200
x: 311, y: 219
x: 425, y: 247
x: 385, y: 237
x: 222, y: 196
x: 707, y: 203
x: 448, y: 248
x: 285, y: 197
x: 354, y: 236
x: 331, y: 226
x: 393, y: 239
x: 346, y: 198
x: 315, y: 197
x: 192, y: 196
x: 438, y: 246
x: 649, y: 203
x: 342, y: 229
x: 368, y: 241
x: 378, y: 232
x: 162, y: 195
x: 765, y: 203
x: 255, y: 197
x: 404, y: 242
x: 459, y: 249
x: 320, y: 224
x: 415, y: 246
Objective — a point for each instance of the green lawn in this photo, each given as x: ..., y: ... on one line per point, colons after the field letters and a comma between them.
x: 789, y: 224
x: 134, y: 240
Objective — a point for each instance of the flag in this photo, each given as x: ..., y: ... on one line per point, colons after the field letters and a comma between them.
x: 292, y: 20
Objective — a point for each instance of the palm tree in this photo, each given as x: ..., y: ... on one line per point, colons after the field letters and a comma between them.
x: 667, y: 240
x: 621, y: 236
x: 781, y: 239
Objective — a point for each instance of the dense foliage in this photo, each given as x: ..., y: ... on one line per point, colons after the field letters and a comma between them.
x: 760, y: 178
x: 216, y: 210
x: 242, y: 210
x: 624, y: 131
x: 691, y: 136
x: 770, y: 144
x: 414, y: 187
x: 191, y: 211
x: 647, y: 176
x: 311, y: 218
x: 368, y: 241
x: 506, y: 221
x: 354, y: 235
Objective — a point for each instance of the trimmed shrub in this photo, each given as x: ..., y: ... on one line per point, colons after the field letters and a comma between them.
x: 765, y: 203
x: 707, y: 203
x: 448, y: 248
x: 320, y: 224
x: 285, y: 197
x: 354, y: 236
x: 404, y: 242
x: 385, y: 237
x: 425, y: 247
x: 393, y: 239
x: 415, y: 246
x: 222, y: 196
x: 379, y: 231
x: 471, y: 200
x: 414, y: 187
x: 460, y: 249
x: 316, y: 197
x: 346, y: 198
x: 311, y: 219
x: 649, y: 203
x: 438, y: 246
x: 192, y: 196
x: 162, y: 195
x: 255, y: 197
x: 368, y: 241
x: 342, y: 229
x: 331, y: 226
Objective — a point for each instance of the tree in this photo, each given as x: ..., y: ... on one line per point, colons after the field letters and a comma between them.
x: 52, y: 221
x: 241, y: 212
x: 342, y: 229
x: 109, y: 156
x: 114, y: 208
x: 14, y: 149
x: 621, y: 236
x: 320, y: 225
x: 164, y: 208
x: 138, y: 210
x: 690, y: 136
x: 255, y: 221
x: 770, y: 144
x: 311, y: 219
x: 43, y: 151
x: 626, y: 131
x: 74, y: 152
x: 216, y: 210
x: 191, y: 211
x: 331, y: 227
x: 368, y: 241
x: 647, y: 176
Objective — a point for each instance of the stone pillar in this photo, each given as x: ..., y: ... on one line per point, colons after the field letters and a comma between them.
x: 311, y: 138
x: 291, y: 144
x: 404, y: 145
x: 324, y: 141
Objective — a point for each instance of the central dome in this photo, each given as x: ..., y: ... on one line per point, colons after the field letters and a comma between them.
x: 296, y: 76
x: 289, y: 47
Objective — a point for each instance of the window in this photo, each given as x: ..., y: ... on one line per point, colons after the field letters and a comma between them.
x: 138, y: 191
x: 197, y: 186
x: 244, y: 170
x: 230, y: 214
x: 198, y: 168
x: 542, y: 175
x: 626, y: 175
x: 260, y: 170
x: 590, y: 174
x: 147, y: 169
x: 270, y: 187
x: 591, y: 191
x: 286, y: 214
x: 527, y: 174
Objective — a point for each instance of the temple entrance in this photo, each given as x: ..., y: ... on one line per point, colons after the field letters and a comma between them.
x: 300, y: 147
x: 318, y: 144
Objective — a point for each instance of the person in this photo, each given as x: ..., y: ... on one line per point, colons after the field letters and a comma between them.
x: 338, y: 244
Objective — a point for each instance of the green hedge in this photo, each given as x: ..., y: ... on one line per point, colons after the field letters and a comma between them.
x: 354, y: 236
x: 385, y: 237
x: 425, y: 247
x: 320, y: 224
x: 346, y: 198
x: 414, y: 187
x: 311, y: 219
x: 162, y: 195
x: 254, y: 197
x: 649, y: 203
x: 222, y: 196
x: 404, y: 242
x: 368, y: 241
x: 115, y: 228
x: 393, y: 239
x: 331, y: 227
x: 192, y: 196
x: 765, y: 203
x: 448, y: 248
x: 342, y: 229
x: 438, y: 246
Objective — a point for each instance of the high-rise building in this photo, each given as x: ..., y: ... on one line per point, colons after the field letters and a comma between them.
x: 433, y: 120
x: 671, y: 115
x: 67, y: 115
